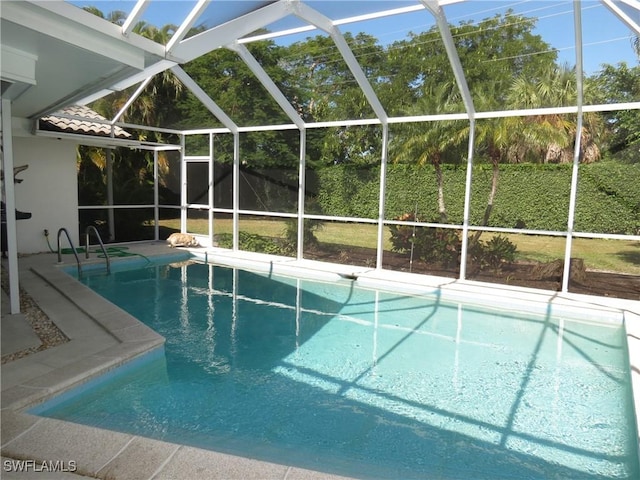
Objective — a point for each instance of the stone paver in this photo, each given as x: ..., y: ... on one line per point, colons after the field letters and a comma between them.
x: 17, y: 334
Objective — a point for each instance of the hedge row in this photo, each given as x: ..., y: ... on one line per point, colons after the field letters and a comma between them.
x: 528, y: 196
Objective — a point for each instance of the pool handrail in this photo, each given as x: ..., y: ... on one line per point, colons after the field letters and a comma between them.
x: 88, y: 230
x: 73, y: 248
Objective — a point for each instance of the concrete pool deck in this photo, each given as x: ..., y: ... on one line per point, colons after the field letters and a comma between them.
x: 103, y: 336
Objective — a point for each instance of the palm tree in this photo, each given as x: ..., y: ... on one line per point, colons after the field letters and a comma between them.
x: 164, y: 85
x: 429, y: 142
x: 551, y: 138
x: 134, y: 168
x: 145, y: 109
x: 495, y: 138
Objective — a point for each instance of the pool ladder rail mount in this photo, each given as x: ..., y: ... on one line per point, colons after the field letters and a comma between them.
x: 87, y: 232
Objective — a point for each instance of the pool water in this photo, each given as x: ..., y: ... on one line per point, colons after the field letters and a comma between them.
x: 360, y: 382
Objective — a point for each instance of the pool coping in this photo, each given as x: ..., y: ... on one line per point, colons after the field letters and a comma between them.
x: 102, y: 336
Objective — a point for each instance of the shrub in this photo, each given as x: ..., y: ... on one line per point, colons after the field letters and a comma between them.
x: 432, y: 245
x: 499, y: 250
x: 250, y: 242
x: 493, y: 254
x: 439, y: 245
x: 532, y: 196
x: 291, y: 233
x: 402, y: 236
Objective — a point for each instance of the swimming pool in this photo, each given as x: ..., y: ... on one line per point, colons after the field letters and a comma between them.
x: 363, y: 382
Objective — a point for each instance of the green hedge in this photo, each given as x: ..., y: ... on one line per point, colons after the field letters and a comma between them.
x: 529, y: 195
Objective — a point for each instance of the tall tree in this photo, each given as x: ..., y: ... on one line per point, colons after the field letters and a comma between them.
x: 620, y: 84
x: 327, y: 88
x: 492, y: 52
x: 431, y: 142
x: 237, y: 91
x: 132, y: 170
x: 493, y: 139
x: 551, y: 138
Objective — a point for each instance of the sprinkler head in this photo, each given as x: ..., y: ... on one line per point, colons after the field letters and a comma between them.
x: 46, y: 232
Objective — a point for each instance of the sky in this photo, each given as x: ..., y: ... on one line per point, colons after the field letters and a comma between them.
x: 605, y: 37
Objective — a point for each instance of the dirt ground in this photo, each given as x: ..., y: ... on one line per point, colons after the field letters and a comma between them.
x: 606, y: 284
x: 518, y: 274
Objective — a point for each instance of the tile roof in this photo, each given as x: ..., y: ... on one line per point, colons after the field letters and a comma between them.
x: 61, y: 121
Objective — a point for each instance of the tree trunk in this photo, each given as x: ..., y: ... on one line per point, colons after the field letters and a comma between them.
x: 441, y: 207
x: 490, y: 200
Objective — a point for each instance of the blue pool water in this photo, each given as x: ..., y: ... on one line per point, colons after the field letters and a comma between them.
x: 359, y: 382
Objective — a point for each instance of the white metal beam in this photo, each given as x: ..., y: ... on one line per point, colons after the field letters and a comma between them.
x: 344, y: 21
x: 314, y: 17
x: 267, y: 82
x: 18, y: 66
x: 337, y: 23
x: 184, y: 28
x: 577, y: 21
x: 106, y: 142
x: 81, y: 29
x: 10, y: 204
x: 633, y: 3
x: 84, y: 19
x: 134, y: 16
x: 302, y: 186
x: 434, y: 7
x: 236, y: 191
x: 211, y: 196
x: 618, y: 12
x: 131, y: 99
x: 156, y: 197
x: 382, y: 195
x: 198, y: 45
x: 183, y: 186
x: 418, y: 118
x: 150, y: 71
x: 204, y: 98
x: 466, y: 216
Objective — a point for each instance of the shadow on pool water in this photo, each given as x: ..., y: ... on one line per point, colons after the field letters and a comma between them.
x: 237, y: 378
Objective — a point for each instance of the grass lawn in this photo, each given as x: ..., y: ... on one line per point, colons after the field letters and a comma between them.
x: 621, y: 256
x: 610, y: 255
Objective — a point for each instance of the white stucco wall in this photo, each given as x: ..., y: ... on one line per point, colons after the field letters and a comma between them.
x: 48, y: 190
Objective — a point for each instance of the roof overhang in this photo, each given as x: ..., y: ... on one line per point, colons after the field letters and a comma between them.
x: 54, y: 53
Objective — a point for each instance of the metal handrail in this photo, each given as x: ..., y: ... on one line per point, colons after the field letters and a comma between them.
x: 86, y: 245
x: 75, y: 252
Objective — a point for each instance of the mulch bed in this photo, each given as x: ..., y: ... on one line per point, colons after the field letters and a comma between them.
x: 592, y: 282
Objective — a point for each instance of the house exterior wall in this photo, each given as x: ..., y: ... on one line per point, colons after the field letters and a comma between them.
x: 48, y: 191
